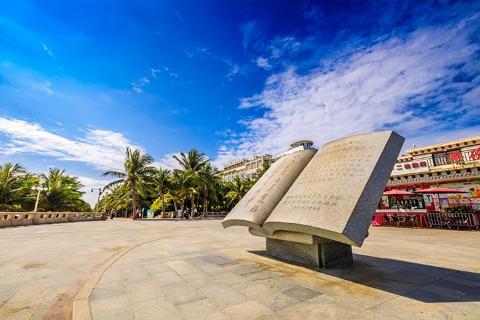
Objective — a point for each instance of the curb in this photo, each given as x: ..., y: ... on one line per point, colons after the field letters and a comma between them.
x: 81, y: 303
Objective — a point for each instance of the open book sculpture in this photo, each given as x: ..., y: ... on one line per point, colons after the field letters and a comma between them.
x: 312, y: 206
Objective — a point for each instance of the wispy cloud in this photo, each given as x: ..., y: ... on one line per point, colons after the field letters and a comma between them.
x: 47, y: 50
x: 155, y: 72
x: 199, y: 52
x: 91, y: 183
x: 138, y: 85
x: 46, y: 87
x: 263, y: 63
x: 426, y: 80
x: 101, y: 149
x: 168, y: 162
x: 248, y: 31
x: 233, y: 69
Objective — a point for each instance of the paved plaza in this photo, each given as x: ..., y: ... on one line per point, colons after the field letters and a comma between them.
x: 196, y: 270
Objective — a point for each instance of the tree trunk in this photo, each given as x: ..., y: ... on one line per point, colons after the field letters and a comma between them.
x: 193, y: 205
x: 204, y: 207
x: 175, y: 206
x: 183, y: 208
x: 163, y: 204
x: 133, y: 203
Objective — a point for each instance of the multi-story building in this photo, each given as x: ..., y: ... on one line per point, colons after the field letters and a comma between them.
x: 245, y: 168
x: 454, y: 164
x: 248, y: 168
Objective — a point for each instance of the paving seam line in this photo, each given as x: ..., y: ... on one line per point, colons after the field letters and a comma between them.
x: 81, y: 303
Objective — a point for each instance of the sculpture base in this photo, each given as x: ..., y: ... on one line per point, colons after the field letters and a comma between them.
x: 325, y: 254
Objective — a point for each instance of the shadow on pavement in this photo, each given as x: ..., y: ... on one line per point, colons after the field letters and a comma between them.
x: 425, y: 283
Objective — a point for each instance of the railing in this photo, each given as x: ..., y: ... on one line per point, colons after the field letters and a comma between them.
x: 424, y: 219
x: 14, y: 219
x: 199, y: 215
x: 453, y: 220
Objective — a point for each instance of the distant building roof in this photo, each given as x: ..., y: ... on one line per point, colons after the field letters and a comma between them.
x: 306, y: 143
x: 445, y: 146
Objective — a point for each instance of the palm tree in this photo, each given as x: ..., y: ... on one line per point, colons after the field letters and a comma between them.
x: 10, y: 182
x: 180, y: 188
x: 62, y: 192
x: 162, y: 184
x: 192, y: 163
x: 116, y: 199
x: 136, y: 177
x: 266, y: 165
x: 237, y: 189
x: 25, y: 196
x: 208, y: 183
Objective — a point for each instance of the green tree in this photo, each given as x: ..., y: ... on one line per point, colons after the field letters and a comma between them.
x: 236, y: 190
x: 192, y: 163
x: 162, y: 184
x: 180, y: 188
x: 63, y: 192
x: 209, y: 181
x: 136, y: 177
x: 116, y: 198
x: 266, y: 165
x: 10, y: 183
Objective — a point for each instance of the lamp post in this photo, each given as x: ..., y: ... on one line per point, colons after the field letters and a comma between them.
x: 39, y: 188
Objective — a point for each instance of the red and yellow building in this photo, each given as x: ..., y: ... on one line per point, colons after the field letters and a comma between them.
x: 454, y: 164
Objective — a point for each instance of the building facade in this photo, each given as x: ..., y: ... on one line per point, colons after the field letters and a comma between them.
x: 454, y: 164
x: 248, y: 168
x: 245, y: 168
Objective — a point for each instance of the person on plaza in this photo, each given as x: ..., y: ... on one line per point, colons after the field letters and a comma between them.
x: 186, y: 213
x: 139, y: 214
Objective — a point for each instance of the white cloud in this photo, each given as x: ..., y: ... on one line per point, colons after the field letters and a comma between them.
x: 202, y: 52
x: 281, y: 46
x: 46, y: 87
x: 434, y: 137
x: 233, y: 71
x: 101, y: 149
x: 168, y: 162
x: 199, y: 51
x: 137, y: 89
x: 402, y: 83
x: 154, y: 72
x: 263, y: 63
x: 91, y: 183
x: 47, y: 50
x: 248, y: 30
x: 169, y: 71
x: 138, y: 85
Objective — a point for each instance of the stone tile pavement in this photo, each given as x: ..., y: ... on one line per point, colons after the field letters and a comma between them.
x: 197, y: 270
x: 222, y: 274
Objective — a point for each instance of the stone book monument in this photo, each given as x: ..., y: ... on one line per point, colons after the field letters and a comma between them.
x: 312, y: 206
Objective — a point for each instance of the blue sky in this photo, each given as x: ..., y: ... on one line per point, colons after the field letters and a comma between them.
x: 79, y: 81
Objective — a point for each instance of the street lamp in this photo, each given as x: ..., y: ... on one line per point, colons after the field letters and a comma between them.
x: 39, y: 188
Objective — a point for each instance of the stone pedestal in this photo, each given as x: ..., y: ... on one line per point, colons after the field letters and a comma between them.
x: 323, y: 254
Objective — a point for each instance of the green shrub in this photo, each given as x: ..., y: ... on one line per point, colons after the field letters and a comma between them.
x: 460, y: 209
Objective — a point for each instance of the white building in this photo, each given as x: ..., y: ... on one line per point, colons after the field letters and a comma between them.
x: 248, y: 168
